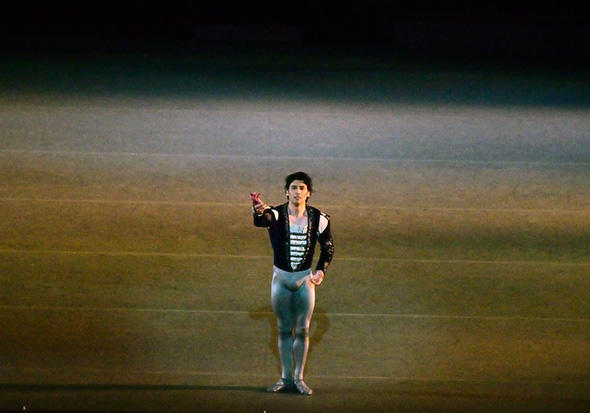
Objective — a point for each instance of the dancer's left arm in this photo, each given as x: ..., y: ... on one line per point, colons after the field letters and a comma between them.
x: 327, y: 250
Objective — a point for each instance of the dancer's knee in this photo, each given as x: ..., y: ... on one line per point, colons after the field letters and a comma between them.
x: 285, y: 329
x: 302, y: 332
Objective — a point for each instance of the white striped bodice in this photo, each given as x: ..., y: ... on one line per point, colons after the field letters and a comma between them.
x: 297, y: 244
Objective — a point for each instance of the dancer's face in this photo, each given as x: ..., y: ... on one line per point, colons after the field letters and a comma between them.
x: 298, y: 192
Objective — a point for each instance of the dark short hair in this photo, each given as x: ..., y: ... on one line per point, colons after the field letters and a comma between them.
x: 298, y: 176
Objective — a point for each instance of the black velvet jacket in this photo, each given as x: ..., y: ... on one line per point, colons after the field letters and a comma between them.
x: 278, y: 229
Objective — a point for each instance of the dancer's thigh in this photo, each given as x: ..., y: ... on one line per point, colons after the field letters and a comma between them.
x: 282, y: 302
x: 304, y: 303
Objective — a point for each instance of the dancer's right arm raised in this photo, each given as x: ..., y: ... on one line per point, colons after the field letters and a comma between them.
x: 262, y: 212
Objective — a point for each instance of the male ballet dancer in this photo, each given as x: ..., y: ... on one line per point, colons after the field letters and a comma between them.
x: 294, y: 228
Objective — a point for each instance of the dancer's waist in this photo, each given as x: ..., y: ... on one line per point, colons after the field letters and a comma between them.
x: 295, y: 274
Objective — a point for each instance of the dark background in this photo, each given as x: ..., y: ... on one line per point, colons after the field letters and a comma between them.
x: 548, y: 34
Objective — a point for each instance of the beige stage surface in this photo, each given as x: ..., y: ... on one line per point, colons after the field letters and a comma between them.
x: 132, y: 278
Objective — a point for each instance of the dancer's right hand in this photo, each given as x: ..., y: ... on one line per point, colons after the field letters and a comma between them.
x: 258, y: 205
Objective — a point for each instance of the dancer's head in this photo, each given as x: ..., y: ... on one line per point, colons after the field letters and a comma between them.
x: 298, y: 186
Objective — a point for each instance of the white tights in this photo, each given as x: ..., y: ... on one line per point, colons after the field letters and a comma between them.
x: 293, y: 299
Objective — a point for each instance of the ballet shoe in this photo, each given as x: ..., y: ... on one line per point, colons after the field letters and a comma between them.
x: 280, y: 386
x: 303, y: 388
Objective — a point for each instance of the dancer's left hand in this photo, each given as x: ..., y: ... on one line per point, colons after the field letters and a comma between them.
x: 317, y: 277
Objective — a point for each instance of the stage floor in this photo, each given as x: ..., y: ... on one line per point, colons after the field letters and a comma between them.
x: 132, y: 278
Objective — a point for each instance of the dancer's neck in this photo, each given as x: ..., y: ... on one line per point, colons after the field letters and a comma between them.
x: 297, y: 211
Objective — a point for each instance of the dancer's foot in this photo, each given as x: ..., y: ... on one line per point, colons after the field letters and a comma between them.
x: 280, y: 386
x: 302, y: 388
